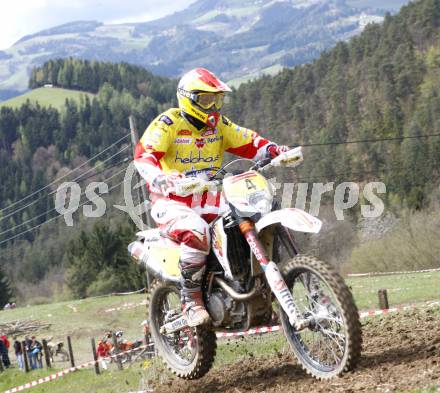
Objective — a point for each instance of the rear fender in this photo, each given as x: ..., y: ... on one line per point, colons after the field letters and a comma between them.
x: 295, y: 219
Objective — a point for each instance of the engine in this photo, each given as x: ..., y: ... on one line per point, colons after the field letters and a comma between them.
x: 225, y: 311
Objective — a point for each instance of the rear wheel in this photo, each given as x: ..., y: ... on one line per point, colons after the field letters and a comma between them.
x: 188, y: 353
x: 331, y: 344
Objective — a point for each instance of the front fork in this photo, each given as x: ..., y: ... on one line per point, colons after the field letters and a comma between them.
x: 273, y: 276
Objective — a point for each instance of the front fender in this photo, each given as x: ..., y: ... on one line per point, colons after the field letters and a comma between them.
x: 295, y: 219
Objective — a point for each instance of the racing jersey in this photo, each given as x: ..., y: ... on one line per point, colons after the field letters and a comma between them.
x: 171, y: 143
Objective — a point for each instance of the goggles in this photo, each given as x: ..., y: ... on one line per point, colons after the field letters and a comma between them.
x: 205, y: 100
x: 208, y: 100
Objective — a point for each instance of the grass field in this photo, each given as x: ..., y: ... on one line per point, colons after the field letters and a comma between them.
x: 54, y: 97
x: 131, y: 379
x: 83, y: 319
x: 402, y: 289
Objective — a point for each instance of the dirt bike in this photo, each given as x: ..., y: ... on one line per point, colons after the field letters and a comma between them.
x: 124, y: 346
x: 245, y: 274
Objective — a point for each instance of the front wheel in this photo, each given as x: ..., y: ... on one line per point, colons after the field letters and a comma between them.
x: 188, y: 353
x: 331, y: 344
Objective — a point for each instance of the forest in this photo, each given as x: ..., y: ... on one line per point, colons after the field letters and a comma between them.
x: 369, y: 109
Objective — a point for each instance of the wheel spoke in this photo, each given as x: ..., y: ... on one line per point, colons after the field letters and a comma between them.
x: 177, y: 343
x: 324, y: 342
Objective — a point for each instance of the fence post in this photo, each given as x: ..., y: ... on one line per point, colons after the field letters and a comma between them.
x: 95, y: 356
x: 69, y: 345
x: 116, y: 351
x: 46, y: 353
x: 25, y: 356
x: 383, y: 299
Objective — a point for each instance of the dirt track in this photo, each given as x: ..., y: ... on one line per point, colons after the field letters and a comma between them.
x: 401, y: 352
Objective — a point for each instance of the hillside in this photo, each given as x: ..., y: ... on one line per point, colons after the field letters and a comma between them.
x: 234, y: 38
x: 382, y: 84
x: 54, y: 97
x: 85, y: 141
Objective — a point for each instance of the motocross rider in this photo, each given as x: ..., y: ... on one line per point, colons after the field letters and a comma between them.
x: 191, y: 140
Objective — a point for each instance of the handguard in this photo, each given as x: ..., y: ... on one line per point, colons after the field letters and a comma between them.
x: 291, y: 158
x: 191, y: 185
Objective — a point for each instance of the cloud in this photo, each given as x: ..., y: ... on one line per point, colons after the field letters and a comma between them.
x: 22, y: 17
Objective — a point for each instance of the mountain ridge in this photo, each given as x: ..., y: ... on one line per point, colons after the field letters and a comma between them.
x: 234, y: 38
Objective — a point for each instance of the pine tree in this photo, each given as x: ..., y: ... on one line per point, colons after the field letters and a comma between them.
x: 5, y: 289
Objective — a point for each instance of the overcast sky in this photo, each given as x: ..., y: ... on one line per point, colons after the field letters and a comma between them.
x: 22, y: 17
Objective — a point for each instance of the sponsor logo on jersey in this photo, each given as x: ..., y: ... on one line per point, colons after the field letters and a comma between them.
x: 214, y: 139
x: 209, y: 132
x: 204, y: 173
x: 166, y: 120
x: 148, y: 147
x: 195, y: 159
x: 200, y: 143
x: 151, y: 141
x: 245, y: 131
x: 161, y: 214
x: 182, y: 141
x: 185, y: 132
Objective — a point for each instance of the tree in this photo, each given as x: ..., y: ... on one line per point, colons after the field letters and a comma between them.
x: 99, y: 262
x: 5, y: 289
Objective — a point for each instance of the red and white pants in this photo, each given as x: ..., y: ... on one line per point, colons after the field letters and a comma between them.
x: 189, y: 227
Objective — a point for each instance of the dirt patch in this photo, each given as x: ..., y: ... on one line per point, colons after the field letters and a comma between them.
x: 401, y: 352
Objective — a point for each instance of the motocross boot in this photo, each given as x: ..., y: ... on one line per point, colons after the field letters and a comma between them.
x: 192, y: 301
x: 194, y: 309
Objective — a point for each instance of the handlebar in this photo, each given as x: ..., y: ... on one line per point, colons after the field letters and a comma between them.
x: 190, y: 185
x: 262, y: 164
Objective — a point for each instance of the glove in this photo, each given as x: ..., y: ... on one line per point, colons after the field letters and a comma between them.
x: 164, y: 184
x: 275, y: 150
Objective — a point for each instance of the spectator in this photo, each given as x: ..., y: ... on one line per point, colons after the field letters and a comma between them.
x: 146, y: 331
x: 103, y: 351
x: 31, y: 358
x: 33, y: 348
x: 4, y: 349
x: 19, y: 353
x: 36, y: 353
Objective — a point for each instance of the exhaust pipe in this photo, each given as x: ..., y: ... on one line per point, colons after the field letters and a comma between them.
x: 233, y: 293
